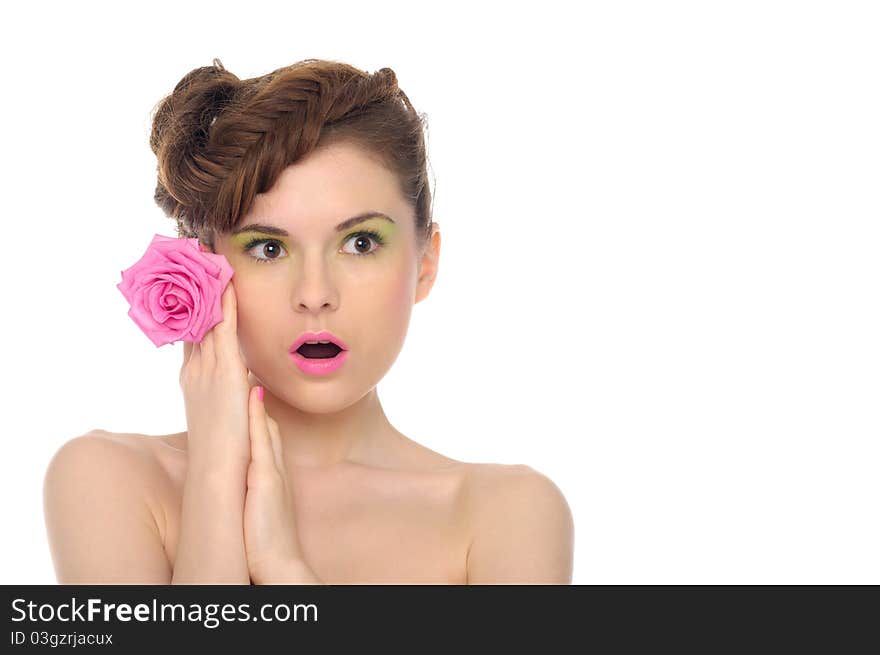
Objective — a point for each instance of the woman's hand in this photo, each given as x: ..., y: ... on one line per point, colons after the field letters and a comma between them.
x: 271, y: 541
x: 215, y: 384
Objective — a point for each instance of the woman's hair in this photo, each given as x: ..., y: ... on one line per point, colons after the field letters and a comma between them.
x: 220, y: 140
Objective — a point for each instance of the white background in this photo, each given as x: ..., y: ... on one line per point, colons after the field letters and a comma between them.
x: 659, y: 269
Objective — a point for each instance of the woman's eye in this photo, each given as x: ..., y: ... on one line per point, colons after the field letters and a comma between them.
x: 264, y: 247
x: 362, y: 243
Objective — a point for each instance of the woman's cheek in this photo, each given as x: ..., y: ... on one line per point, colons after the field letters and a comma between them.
x: 400, y: 297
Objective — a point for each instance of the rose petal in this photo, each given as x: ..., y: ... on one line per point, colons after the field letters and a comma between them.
x: 175, y: 290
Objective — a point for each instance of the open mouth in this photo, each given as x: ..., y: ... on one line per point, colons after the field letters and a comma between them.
x: 319, y: 350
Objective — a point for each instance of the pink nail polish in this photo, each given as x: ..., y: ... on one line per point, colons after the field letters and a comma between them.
x: 260, y: 392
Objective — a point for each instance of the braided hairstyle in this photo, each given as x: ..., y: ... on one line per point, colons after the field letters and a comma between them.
x: 220, y: 140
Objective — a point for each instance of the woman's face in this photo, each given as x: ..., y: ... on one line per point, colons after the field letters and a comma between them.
x: 317, y: 278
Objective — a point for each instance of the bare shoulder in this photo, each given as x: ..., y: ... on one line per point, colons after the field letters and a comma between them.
x: 102, y: 521
x: 129, y: 441
x: 126, y: 457
x: 521, y: 526
x: 491, y: 487
x: 158, y: 455
x: 98, y: 448
x: 127, y: 460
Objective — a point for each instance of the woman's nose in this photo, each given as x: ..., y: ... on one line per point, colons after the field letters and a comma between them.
x: 315, y: 290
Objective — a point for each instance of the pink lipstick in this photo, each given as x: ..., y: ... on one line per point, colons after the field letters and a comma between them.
x: 318, y: 353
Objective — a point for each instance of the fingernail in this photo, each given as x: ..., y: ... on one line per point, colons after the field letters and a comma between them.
x: 260, y: 392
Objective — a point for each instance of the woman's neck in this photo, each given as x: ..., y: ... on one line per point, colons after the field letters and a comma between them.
x: 357, y: 434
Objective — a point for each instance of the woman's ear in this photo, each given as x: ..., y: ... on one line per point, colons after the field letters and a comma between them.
x: 429, y: 264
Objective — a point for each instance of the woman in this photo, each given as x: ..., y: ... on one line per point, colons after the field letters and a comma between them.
x: 312, y: 182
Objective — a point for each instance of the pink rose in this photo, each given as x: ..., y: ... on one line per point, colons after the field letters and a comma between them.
x: 175, y: 290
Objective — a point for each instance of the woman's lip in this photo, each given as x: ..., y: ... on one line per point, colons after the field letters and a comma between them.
x: 316, y: 366
x: 324, y: 335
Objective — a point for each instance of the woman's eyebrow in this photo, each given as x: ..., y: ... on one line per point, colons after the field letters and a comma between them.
x: 277, y: 231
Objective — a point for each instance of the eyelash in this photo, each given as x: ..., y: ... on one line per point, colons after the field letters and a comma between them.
x: 370, y: 233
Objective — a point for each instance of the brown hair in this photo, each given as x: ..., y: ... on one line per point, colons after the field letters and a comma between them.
x: 220, y: 140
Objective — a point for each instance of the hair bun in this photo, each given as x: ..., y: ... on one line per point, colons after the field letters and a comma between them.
x: 387, y: 75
